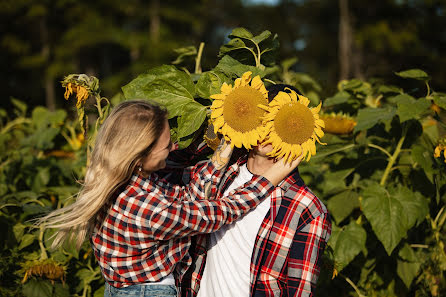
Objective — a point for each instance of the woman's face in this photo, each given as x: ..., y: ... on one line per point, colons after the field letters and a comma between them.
x: 156, y: 160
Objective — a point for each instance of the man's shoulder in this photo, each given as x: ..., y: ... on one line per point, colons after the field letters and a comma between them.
x: 299, y: 193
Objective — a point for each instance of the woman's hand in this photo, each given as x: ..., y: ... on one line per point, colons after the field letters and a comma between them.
x: 222, y: 154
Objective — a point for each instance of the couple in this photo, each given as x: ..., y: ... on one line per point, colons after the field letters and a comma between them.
x: 151, y: 237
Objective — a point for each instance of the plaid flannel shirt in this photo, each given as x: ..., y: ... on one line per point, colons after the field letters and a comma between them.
x: 288, y: 247
x: 148, y: 229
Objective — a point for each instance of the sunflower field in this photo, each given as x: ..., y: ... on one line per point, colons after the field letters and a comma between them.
x: 381, y: 172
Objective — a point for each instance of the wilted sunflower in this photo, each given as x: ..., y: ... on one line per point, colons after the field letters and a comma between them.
x: 211, y: 138
x: 441, y: 147
x: 294, y: 127
x: 81, y: 84
x: 235, y: 112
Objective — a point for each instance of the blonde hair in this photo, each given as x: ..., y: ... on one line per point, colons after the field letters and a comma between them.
x: 126, y: 136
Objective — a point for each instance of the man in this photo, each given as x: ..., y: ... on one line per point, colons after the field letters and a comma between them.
x: 274, y: 251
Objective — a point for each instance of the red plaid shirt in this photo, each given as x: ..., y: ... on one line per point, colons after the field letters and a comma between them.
x: 288, y: 247
x: 148, y: 229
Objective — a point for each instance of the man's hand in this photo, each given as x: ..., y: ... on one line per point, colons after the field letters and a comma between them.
x: 279, y: 170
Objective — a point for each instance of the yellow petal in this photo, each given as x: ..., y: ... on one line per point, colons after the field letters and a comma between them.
x: 226, y: 89
x: 256, y: 82
x: 317, y: 108
x: 216, y: 113
x: 218, y: 96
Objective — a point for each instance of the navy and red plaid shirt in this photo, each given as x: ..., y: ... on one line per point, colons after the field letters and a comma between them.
x: 147, y: 231
x: 287, y: 252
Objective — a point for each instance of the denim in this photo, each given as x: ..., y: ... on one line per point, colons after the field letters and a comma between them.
x: 141, y: 291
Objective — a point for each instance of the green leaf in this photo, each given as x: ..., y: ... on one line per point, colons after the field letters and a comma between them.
x: 342, y: 204
x: 241, y: 33
x: 19, y: 230
x: 37, y: 288
x: 20, y: 106
x: 415, y: 206
x: 27, y: 240
x: 261, y: 37
x: 231, y: 67
x: 338, y: 98
x: 170, y: 94
x: 369, y: 117
x: 193, y: 115
x: 423, y: 158
x: 210, y: 83
x: 391, y: 213
x: 412, y: 109
x: 350, y: 241
x: 385, y: 213
x: 414, y: 73
x: 61, y: 290
x: 41, y: 179
x: 408, y: 265
x: 440, y: 100
x: 389, y: 89
x: 135, y: 88
x: 99, y: 292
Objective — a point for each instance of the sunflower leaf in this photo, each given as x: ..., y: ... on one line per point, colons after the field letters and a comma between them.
x: 407, y: 265
x: 241, y: 33
x: 342, y: 204
x: 261, y: 37
x: 369, y: 117
x: 232, y: 45
x: 233, y: 68
x: 414, y: 73
x: 349, y: 243
x: 192, y: 116
x: 339, y: 98
x: 210, y: 83
x: 392, y: 212
x: 411, y: 108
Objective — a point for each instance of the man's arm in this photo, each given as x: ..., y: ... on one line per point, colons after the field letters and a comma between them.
x: 305, y: 256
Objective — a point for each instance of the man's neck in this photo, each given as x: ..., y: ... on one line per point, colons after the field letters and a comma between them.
x: 258, y: 164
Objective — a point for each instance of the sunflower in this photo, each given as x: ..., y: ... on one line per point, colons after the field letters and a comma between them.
x: 441, y: 147
x: 236, y: 113
x: 294, y: 127
x: 81, y: 84
x: 338, y: 123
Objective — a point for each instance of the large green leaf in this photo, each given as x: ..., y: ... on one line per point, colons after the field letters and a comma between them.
x: 415, y: 206
x: 350, y: 241
x: 414, y: 73
x: 409, y: 108
x: 342, y: 204
x: 440, y: 99
x: 369, y: 117
x: 135, y: 88
x: 386, y: 215
x: 241, y: 33
x: 193, y: 115
x: 171, y: 94
x: 37, y: 288
x: 408, y: 265
x: 392, y: 212
x: 210, y: 83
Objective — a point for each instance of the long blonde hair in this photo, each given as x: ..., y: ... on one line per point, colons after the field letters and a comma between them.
x: 126, y: 136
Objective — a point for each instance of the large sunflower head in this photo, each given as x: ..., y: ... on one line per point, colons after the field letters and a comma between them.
x: 293, y: 127
x: 236, y: 113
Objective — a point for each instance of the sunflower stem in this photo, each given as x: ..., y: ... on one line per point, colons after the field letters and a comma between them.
x: 380, y: 148
x: 43, y: 254
x: 258, y: 56
x: 393, y: 158
x: 428, y: 89
x: 198, y: 58
x: 352, y: 284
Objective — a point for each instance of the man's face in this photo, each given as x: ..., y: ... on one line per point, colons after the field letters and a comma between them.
x: 263, y: 150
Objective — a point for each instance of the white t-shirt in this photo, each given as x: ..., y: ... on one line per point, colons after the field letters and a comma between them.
x: 227, y: 270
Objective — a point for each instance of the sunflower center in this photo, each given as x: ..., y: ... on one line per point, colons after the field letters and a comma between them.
x: 294, y: 123
x: 240, y: 109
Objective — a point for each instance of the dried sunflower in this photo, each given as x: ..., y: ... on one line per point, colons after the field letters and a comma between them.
x: 81, y: 84
x: 294, y: 127
x: 211, y: 138
x: 338, y: 123
x: 236, y: 113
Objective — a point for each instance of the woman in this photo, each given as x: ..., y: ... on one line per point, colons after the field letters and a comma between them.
x: 139, y: 225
